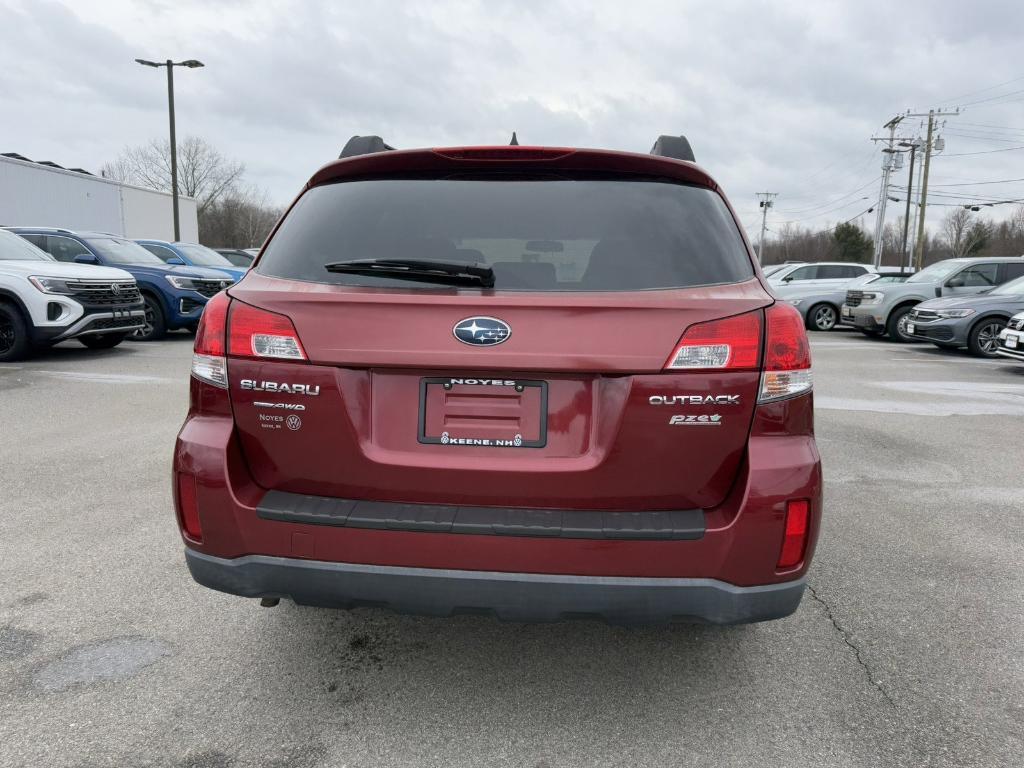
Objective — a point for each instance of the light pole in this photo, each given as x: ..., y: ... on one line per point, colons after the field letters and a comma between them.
x: 766, y: 203
x: 191, y: 64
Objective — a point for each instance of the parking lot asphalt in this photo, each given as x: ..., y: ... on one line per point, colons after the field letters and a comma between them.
x: 907, y: 651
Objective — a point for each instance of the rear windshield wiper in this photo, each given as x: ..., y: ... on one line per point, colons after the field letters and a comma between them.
x: 422, y: 270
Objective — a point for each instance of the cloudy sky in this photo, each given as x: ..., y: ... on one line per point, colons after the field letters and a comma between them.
x: 780, y: 96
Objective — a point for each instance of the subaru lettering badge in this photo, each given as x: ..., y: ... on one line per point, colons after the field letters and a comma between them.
x: 482, y: 331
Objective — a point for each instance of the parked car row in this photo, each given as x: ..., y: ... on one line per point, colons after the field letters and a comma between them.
x: 58, y: 284
x: 819, y: 301
x: 955, y: 303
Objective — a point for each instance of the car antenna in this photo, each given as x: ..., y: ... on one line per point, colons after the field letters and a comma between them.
x: 515, y: 141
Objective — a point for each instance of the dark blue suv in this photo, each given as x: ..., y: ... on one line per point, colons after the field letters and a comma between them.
x: 174, y: 295
x: 191, y: 255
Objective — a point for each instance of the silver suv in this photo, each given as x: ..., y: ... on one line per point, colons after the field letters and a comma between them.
x: 885, y: 309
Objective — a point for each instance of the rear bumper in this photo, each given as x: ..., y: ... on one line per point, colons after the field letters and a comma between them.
x: 716, y: 564
x: 509, y: 596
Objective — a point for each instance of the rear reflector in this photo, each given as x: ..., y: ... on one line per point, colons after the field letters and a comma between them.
x: 795, y: 539
x: 787, y: 355
x: 733, y: 343
x: 208, y: 363
x: 258, y: 333
x: 188, y: 507
x: 212, y: 325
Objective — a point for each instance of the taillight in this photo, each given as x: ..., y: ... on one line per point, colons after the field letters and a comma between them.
x: 733, y: 343
x: 188, y: 507
x: 798, y: 512
x: 257, y: 332
x: 208, y: 363
x: 787, y: 355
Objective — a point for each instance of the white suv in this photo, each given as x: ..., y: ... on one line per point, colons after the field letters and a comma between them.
x: 44, y: 301
x: 824, y: 273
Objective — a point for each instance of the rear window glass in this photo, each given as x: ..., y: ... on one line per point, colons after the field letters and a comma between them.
x: 542, y: 234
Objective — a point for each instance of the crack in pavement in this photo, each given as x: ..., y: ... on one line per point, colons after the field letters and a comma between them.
x: 847, y: 638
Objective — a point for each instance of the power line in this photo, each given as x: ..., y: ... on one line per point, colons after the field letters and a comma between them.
x: 822, y: 213
x: 981, y: 137
x: 984, y: 152
x: 976, y: 183
x: 993, y: 127
x: 984, y: 90
x: 836, y: 226
x: 989, y: 132
x: 991, y: 98
x: 835, y: 162
x: 814, y: 193
x: 829, y: 202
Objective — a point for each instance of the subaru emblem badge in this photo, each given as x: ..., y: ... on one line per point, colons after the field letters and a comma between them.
x: 482, y: 331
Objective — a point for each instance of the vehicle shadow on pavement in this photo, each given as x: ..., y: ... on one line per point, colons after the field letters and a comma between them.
x: 478, y: 669
x: 68, y: 351
x: 411, y: 680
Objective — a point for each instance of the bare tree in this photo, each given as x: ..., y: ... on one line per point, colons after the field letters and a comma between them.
x: 892, y: 241
x: 203, y: 172
x: 964, y: 234
x: 241, y: 218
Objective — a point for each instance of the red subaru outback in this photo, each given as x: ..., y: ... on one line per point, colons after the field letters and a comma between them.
x: 536, y: 382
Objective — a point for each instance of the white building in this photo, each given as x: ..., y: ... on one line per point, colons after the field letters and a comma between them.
x: 44, y: 195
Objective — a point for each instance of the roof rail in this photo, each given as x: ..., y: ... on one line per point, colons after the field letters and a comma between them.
x: 363, y: 145
x: 40, y: 229
x: 676, y: 147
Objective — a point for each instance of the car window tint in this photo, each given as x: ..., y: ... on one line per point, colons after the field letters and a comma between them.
x: 837, y: 272
x: 1012, y: 271
x: 544, y: 234
x: 64, y: 248
x: 977, y: 276
x: 16, y: 248
x: 804, y: 273
x: 159, y: 251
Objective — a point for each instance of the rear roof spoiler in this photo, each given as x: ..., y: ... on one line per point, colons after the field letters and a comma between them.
x: 363, y: 145
x: 676, y: 147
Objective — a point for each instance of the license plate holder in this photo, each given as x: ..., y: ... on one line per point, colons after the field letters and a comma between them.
x: 1011, y: 340
x: 847, y: 312
x: 483, y: 412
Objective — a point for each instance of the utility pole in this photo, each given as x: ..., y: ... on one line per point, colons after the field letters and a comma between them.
x: 931, y: 114
x: 904, y: 254
x: 883, y: 196
x: 766, y: 203
x: 912, y: 245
